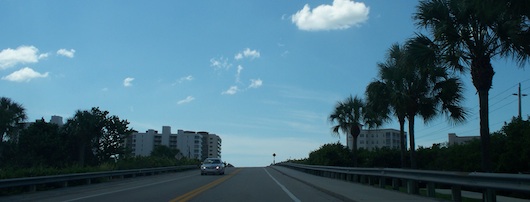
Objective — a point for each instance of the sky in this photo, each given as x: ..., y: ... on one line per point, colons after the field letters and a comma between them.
x: 263, y: 75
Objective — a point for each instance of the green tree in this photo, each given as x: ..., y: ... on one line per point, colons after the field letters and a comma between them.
x: 472, y: 32
x: 110, y: 143
x: 331, y: 155
x: 516, y: 155
x: 384, y: 96
x: 164, y: 151
x: 347, y: 116
x: 42, y: 144
x: 12, y: 115
x: 85, y: 128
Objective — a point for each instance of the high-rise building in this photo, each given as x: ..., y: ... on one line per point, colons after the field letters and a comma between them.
x: 194, y: 145
x: 376, y: 138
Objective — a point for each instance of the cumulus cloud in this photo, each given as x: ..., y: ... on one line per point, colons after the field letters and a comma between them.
x: 66, y: 53
x: 186, y: 100
x: 127, y: 82
x: 25, y: 74
x: 247, y: 53
x: 232, y: 90
x: 255, y: 83
x: 220, y: 63
x: 21, y: 55
x: 342, y: 14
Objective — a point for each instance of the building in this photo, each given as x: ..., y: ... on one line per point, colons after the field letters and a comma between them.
x: 376, y: 138
x: 454, y: 139
x: 194, y: 145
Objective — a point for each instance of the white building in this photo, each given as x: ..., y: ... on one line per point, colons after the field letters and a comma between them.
x: 454, y: 139
x: 376, y: 138
x: 189, y: 143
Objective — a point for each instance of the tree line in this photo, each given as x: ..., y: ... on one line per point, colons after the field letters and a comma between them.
x: 510, y: 153
x: 90, y: 138
x: 418, y: 78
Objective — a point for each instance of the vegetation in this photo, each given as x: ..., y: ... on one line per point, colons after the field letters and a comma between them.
x: 472, y: 32
x: 510, y: 149
x: 91, y: 141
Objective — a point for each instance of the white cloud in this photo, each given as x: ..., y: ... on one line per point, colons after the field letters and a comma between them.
x: 23, y: 54
x: 24, y: 74
x: 186, y: 100
x: 255, y: 83
x: 220, y: 63
x: 128, y: 81
x: 247, y: 53
x: 342, y: 14
x: 186, y: 78
x: 66, y: 53
x: 239, y: 69
x: 232, y: 90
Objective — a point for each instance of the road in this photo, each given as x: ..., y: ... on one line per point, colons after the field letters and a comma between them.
x: 238, y: 184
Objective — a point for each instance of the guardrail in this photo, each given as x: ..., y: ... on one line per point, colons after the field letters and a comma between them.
x: 487, y: 183
x: 63, y: 180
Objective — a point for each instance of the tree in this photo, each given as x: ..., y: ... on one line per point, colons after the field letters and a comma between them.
x: 348, y: 115
x: 12, y: 115
x: 42, y: 144
x: 96, y: 135
x: 331, y: 155
x: 472, y: 32
x: 164, y: 151
x: 413, y: 83
x: 384, y: 96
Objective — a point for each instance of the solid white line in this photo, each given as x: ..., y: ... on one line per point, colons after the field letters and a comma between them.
x: 146, y: 185
x: 283, y: 187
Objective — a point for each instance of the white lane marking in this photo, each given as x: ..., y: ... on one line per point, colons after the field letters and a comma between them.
x: 283, y: 187
x: 137, y: 187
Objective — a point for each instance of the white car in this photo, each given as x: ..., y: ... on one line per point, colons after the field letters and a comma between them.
x: 213, y: 165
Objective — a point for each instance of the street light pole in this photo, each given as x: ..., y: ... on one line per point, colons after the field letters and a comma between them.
x: 520, y: 95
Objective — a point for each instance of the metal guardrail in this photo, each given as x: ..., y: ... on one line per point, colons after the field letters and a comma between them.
x: 63, y: 180
x: 488, y: 183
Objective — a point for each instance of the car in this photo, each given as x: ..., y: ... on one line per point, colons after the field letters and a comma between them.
x: 212, y: 166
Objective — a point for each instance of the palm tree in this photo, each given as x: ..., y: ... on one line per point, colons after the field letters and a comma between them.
x: 413, y: 83
x: 348, y: 115
x: 470, y: 33
x: 11, y: 115
x: 384, y: 96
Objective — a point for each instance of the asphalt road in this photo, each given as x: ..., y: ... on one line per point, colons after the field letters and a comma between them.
x: 238, y: 184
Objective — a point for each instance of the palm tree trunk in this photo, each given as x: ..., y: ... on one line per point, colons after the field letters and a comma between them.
x: 484, y: 130
x: 354, y: 156
x: 482, y: 75
x: 412, y: 144
x: 402, y: 142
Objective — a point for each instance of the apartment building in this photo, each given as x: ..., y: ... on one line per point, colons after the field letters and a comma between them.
x: 195, y: 145
x: 376, y: 138
x: 454, y: 139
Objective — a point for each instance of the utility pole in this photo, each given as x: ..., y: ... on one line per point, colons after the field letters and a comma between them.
x: 520, y: 95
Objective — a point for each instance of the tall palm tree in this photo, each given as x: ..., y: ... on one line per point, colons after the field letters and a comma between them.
x: 11, y: 115
x: 413, y: 83
x: 348, y: 115
x: 472, y: 32
x: 384, y: 96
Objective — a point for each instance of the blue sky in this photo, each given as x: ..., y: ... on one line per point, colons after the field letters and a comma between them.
x: 263, y: 75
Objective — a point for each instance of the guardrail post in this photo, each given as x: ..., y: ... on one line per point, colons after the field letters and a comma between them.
x: 412, y: 187
x: 32, y: 188
x: 489, y: 195
x: 382, y: 182
x: 431, y: 189
x: 88, y: 181
x: 363, y: 179
x: 395, y: 183
x: 456, y: 193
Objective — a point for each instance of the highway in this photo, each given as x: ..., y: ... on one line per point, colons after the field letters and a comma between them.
x: 238, y: 184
